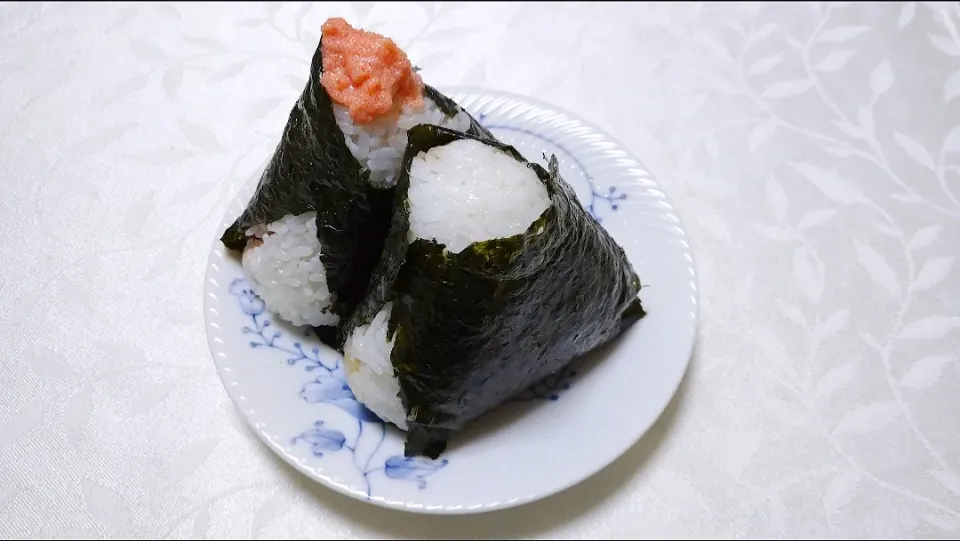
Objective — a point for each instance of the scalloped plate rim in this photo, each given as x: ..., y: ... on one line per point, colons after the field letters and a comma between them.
x: 217, y: 257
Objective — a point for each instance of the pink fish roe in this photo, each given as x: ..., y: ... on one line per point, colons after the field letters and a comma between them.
x: 366, y: 72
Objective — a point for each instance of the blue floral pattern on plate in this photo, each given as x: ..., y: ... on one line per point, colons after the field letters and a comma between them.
x: 329, y: 386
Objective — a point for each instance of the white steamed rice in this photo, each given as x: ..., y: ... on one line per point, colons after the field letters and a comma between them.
x: 369, y: 372
x: 379, y: 145
x: 466, y: 191
x: 287, y: 272
x: 460, y: 193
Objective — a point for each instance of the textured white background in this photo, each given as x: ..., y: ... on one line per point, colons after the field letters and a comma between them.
x: 813, y: 150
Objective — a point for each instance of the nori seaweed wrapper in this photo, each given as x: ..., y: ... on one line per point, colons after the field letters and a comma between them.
x: 475, y: 328
x: 312, y: 169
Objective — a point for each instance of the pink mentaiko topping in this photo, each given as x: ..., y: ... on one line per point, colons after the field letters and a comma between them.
x: 366, y: 72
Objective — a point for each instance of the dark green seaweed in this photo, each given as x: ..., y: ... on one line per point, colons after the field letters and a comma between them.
x: 473, y: 329
x: 312, y: 169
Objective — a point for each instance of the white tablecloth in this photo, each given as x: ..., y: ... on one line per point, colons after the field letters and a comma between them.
x: 813, y: 151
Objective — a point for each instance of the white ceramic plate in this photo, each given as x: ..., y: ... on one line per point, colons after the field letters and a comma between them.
x: 291, y: 390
